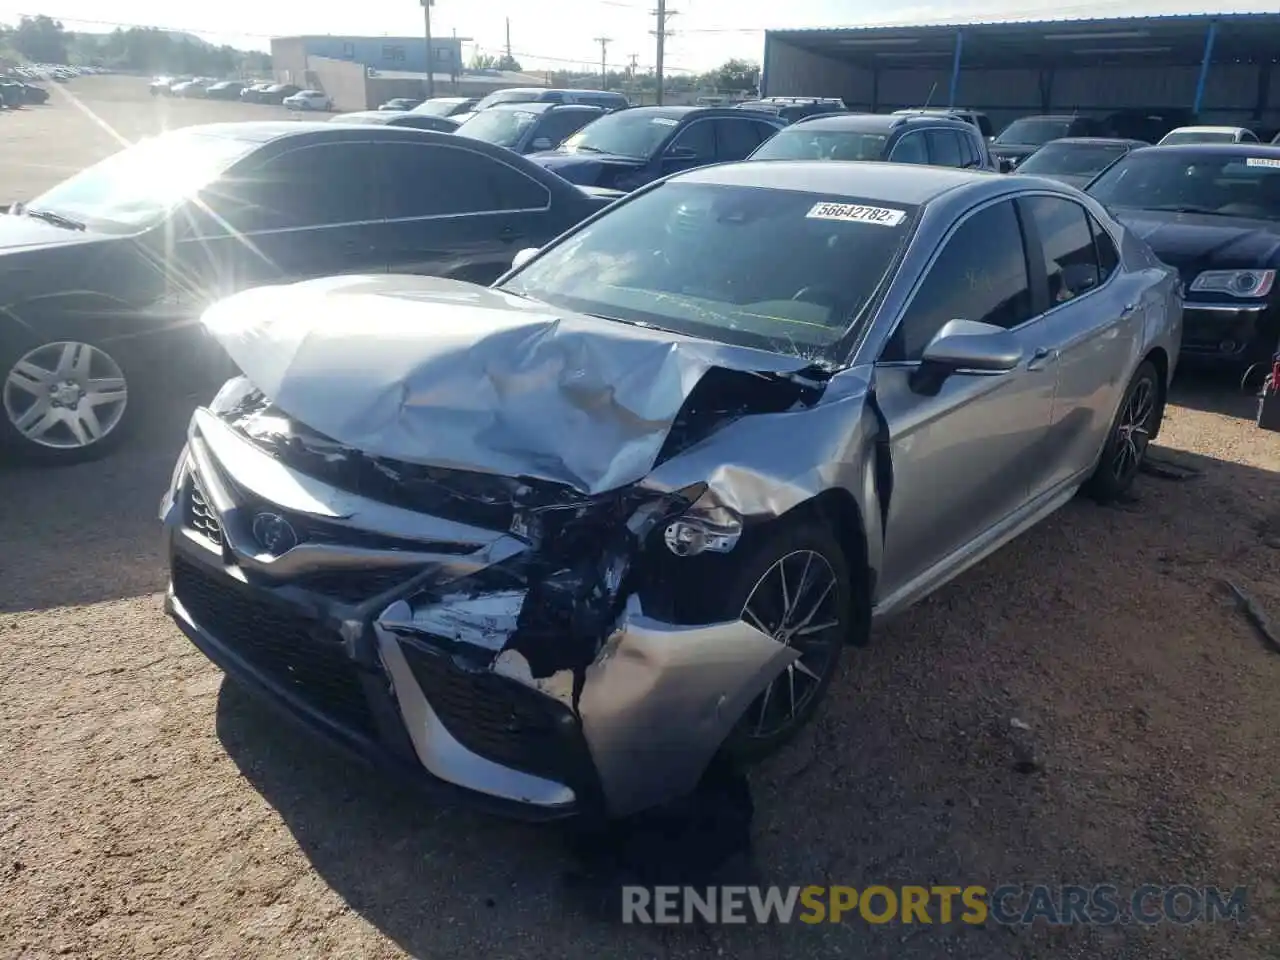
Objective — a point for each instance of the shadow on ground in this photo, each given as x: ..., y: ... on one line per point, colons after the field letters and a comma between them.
x: 1216, y: 391
x: 914, y: 772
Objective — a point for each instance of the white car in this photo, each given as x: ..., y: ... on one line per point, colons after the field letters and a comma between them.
x: 308, y: 100
x: 1209, y: 135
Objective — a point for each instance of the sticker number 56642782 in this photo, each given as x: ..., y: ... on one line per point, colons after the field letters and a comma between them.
x: 856, y: 213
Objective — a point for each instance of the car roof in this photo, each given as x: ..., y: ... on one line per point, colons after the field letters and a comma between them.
x: 1269, y: 151
x: 1100, y: 141
x: 1206, y: 128
x: 264, y: 131
x: 936, y: 111
x: 877, y: 122
x: 911, y: 184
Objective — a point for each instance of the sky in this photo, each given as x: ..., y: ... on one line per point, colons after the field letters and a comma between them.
x: 546, y: 34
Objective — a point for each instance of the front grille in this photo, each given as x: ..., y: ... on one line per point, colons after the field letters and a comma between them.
x: 497, y: 718
x: 200, y: 516
x: 354, y: 586
x: 292, y: 650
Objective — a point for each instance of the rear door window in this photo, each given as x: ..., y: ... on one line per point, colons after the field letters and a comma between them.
x: 429, y: 180
x: 910, y: 149
x: 944, y: 148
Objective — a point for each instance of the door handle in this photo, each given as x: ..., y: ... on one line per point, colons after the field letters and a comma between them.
x: 1042, y: 357
x: 1128, y: 310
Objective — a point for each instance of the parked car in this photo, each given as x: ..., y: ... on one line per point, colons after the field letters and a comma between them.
x: 791, y: 109
x: 17, y: 93
x: 401, y: 103
x: 528, y: 127
x: 278, y: 93
x: 224, y: 90
x: 594, y: 98
x: 154, y: 233
x: 1205, y: 134
x: 446, y: 106
x: 159, y: 86
x: 196, y: 89
x: 559, y: 542
x: 1077, y: 160
x: 1211, y: 211
x: 974, y: 117
x: 309, y: 100
x: 254, y: 92
x: 630, y: 148
x: 1145, y: 125
x: 402, y: 118
x: 1024, y: 137
x: 872, y: 136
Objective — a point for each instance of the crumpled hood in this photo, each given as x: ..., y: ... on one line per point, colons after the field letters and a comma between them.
x: 583, y: 169
x: 1193, y: 242
x: 445, y: 373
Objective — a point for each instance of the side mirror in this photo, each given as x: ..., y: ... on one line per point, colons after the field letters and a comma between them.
x: 966, y: 346
x: 542, y: 143
x: 523, y: 256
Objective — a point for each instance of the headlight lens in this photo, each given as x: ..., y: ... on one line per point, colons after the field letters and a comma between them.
x: 703, y: 529
x: 232, y: 393
x: 1235, y: 283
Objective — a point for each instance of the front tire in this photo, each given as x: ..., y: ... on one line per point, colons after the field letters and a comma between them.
x: 795, y: 585
x: 1136, y: 421
x: 64, y: 401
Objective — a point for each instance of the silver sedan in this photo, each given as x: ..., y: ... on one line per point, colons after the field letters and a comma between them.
x: 556, y: 543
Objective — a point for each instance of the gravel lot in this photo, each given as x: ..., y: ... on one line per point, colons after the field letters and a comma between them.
x: 149, y: 809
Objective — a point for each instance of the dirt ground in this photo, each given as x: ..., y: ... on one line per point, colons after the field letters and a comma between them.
x: 149, y: 809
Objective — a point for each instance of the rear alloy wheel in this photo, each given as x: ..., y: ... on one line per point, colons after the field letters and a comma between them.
x: 64, y: 401
x: 1135, y: 423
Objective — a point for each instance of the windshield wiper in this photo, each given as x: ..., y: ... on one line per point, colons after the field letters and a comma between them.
x: 587, y: 149
x: 57, y: 219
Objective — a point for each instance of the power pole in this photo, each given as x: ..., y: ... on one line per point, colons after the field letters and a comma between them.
x: 510, y: 58
x: 663, y: 15
x: 431, y: 69
x: 604, y: 68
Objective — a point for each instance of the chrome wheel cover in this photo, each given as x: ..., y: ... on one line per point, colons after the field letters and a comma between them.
x: 65, y: 395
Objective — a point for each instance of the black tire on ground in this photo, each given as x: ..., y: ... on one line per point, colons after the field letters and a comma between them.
x: 792, y: 544
x: 1136, y: 420
x: 14, y: 401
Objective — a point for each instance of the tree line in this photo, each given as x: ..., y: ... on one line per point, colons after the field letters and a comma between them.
x: 42, y: 39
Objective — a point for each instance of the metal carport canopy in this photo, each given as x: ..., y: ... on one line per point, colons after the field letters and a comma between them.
x: 950, y: 51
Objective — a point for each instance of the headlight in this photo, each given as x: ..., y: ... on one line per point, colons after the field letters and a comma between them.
x: 231, y: 395
x: 701, y: 529
x: 1236, y: 283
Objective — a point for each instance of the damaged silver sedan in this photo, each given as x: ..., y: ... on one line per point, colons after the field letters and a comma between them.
x: 558, y: 543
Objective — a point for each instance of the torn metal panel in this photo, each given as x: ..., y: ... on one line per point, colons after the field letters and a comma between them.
x: 439, y: 372
x: 661, y: 698
x: 482, y: 621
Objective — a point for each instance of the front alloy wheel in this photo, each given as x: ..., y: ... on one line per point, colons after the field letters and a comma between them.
x: 797, y: 603
x: 65, y: 398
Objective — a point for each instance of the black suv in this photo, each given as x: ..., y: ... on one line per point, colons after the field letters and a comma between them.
x: 940, y: 141
x: 791, y: 109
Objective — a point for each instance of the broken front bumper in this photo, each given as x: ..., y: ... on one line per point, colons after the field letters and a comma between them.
x: 314, y: 597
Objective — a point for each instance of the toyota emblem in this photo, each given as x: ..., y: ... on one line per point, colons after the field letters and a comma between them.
x: 274, y: 533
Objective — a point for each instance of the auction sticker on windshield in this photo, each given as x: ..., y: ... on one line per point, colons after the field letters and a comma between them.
x: 856, y: 213
x: 1261, y: 162
x: 664, y: 121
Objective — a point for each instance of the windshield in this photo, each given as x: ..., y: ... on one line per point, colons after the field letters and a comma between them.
x: 1198, y: 136
x: 801, y: 143
x: 1034, y: 131
x: 508, y: 96
x: 502, y: 126
x: 1230, y: 186
x: 436, y: 108
x: 136, y: 188
x: 1072, y: 159
x: 628, y: 133
x: 780, y: 270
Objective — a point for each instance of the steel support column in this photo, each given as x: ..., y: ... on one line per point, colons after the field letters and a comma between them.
x: 1209, y: 39
x: 955, y: 68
